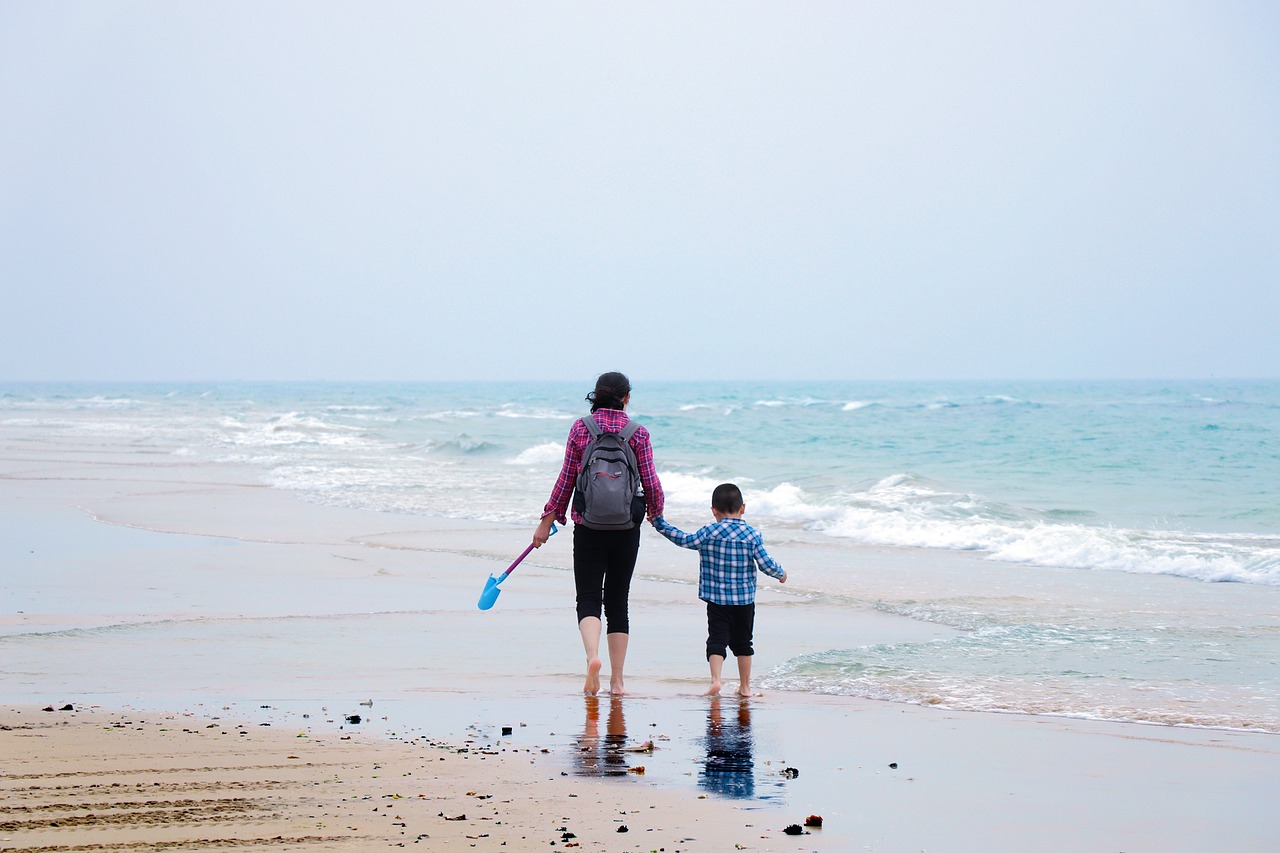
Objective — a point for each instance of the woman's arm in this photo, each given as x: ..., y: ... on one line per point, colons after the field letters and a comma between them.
x: 654, y: 500
x: 558, y: 504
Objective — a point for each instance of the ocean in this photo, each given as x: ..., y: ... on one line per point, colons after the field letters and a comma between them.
x: 1100, y: 550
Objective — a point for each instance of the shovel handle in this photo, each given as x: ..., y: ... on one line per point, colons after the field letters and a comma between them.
x: 525, y: 553
x: 516, y: 562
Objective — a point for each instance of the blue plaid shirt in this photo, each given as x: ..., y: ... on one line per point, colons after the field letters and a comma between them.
x: 730, y: 550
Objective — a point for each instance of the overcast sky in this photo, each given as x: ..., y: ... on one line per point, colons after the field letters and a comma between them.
x: 467, y: 190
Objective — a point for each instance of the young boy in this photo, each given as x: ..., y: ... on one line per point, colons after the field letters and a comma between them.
x: 731, y: 550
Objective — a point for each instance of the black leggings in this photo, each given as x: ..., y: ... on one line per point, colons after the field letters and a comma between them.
x: 603, y: 562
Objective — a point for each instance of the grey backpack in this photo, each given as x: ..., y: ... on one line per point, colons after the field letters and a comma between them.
x: 607, y: 493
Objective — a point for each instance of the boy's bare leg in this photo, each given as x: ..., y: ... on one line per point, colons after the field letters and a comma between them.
x: 744, y: 675
x: 717, y: 665
x: 617, y: 658
x: 589, y: 627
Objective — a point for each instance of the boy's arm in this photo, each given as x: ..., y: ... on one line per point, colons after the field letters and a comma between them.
x: 675, y: 534
x: 764, y: 562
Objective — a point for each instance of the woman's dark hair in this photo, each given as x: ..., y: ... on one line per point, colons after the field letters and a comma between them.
x: 611, y: 390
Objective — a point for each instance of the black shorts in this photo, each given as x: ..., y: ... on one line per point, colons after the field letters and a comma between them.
x: 730, y: 625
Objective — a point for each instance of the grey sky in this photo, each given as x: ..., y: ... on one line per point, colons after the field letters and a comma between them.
x: 229, y: 190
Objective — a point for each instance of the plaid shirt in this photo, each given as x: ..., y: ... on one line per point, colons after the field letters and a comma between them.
x: 610, y: 420
x: 730, y: 551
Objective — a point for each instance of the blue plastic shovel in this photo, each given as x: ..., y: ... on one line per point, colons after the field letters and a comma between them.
x: 490, y: 594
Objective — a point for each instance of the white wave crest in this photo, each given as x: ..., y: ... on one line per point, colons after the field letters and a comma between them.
x: 546, y: 454
x: 512, y: 410
x: 902, y: 513
x: 101, y: 401
x: 687, y: 490
x: 290, y: 428
x: 787, y: 502
x: 799, y: 403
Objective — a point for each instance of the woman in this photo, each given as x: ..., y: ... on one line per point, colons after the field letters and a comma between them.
x: 603, y: 560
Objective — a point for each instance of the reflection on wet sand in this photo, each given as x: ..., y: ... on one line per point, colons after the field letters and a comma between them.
x: 602, y: 756
x: 729, y: 769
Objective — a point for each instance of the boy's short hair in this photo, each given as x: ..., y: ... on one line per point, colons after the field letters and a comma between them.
x: 727, y: 498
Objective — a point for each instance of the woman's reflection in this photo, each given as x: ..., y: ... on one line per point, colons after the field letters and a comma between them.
x: 603, y: 756
x: 729, y: 768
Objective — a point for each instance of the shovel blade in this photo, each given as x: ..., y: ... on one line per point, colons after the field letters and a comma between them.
x: 490, y: 593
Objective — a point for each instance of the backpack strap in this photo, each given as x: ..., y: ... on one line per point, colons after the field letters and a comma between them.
x: 596, y: 431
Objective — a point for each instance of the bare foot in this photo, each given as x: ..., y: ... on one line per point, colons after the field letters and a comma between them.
x: 746, y: 691
x: 616, y: 688
x: 715, y: 689
x: 592, y: 685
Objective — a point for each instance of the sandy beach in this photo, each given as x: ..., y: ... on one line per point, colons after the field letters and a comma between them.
x: 214, y: 637
x: 99, y: 780
x: 95, y: 779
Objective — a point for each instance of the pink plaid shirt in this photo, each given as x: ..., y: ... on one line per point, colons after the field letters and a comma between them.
x: 610, y: 420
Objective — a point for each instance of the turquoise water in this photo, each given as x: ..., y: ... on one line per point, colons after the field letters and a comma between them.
x: 1169, y: 478
x: 1073, y: 535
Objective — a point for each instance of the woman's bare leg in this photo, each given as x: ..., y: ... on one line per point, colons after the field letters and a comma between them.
x: 589, y: 627
x: 617, y: 658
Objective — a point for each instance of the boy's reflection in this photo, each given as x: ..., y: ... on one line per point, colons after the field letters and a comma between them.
x: 599, y: 756
x: 729, y: 769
